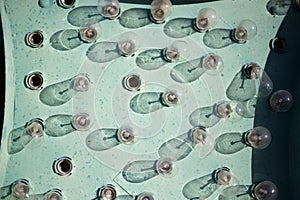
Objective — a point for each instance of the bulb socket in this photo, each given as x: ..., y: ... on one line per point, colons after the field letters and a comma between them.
x: 34, y: 81
x: 215, y: 174
x: 233, y: 36
x: 145, y: 196
x: 20, y: 189
x: 35, y: 128
x: 107, y: 192
x: 34, y: 39
x: 278, y: 45
x: 63, y: 166
x: 66, y: 3
x: 132, y: 82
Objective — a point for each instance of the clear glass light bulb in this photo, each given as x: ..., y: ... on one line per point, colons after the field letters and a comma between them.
x: 80, y: 83
x: 206, y: 19
x: 90, y: 31
x: 81, y: 121
x: 258, y: 137
x: 160, y: 10
x: 165, y: 166
x: 265, y: 190
x: 213, y: 63
x: 20, y: 190
x: 281, y: 101
x: 250, y: 81
x: 205, y: 186
x: 109, y: 8
x: 177, y: 50
x: 244, y: 31
x: 128, y: 43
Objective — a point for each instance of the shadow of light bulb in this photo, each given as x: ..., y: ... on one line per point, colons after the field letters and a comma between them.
x: 160, y: 10
x: 220, y: 38
x: 250, y: 81
x: 229, y: 143
x: 68, y: 39
x: 58, y: 125
x: 31, y: 132
x: 206, y: 19
x: 148, y: 102
x: 203, y: 187
x: 247, y: 110
x: 106, y: 51
x: 109, y: 8
x: 62, y: 92
x: 152, y: 59
x: 181, y: 146
x: 192, y: 70
x: 135, y: 18
x: 265, y: 190
x: 104, y: 139
x: 210, y: 115
x: 81, y: 14
x: 278, y: 7
x: 143, y: 170
x: 281, y: 101
x: 183, y: 27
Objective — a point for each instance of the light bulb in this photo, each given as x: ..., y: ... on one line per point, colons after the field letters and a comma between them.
x: 53, y: 194
x: 62, y: 92
x: 128, y: 43
x: 245, y: 30
x: 106, y: 138
x: 80, y: 83
x: 160, y: 10
x: 265, y: 190
x: 146, y: 196
x: 250, y: 81
x: 21, y: 189
x: 165, y: 166
x: 281, y: 101
x: 148, y: 102
x: 109, y: 8
x: 181, y: 146
x: 258, y: 137
x: 206, y: 19
x: 210, y: 115
x: 229, y: 143
x: 205, y: 186
x: 90, y: 31
x: 19, y: 138
x: 107, y: 192
x: 213, y: 63
x: 177, y: 50
x: 81, y: 121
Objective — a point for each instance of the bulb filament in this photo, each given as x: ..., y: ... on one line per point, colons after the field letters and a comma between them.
x: 62, y: 92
